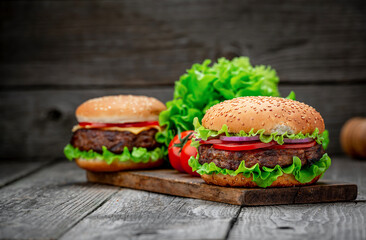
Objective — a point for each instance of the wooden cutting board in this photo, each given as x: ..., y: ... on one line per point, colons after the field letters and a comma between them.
x: 171, y: 182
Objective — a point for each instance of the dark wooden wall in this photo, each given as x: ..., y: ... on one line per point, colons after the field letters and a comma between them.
x: 56, y: 54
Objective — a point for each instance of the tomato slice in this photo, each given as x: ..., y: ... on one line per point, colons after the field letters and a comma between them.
x: 121, y: 125
x: 243, y: 146
x: 295, y: 145
x: 212, y: 141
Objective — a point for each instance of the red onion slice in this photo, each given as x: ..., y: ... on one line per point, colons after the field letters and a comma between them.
x: 239, y: 139
x: 304, y: 140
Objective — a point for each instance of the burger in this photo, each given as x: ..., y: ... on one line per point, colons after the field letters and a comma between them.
x: 260, y: 142
x: 117, y: 133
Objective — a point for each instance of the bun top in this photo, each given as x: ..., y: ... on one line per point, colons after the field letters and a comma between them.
x: 120, y: 109
x: 273, y: 114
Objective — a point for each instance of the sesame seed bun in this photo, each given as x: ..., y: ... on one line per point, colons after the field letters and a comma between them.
x: 101, y: 166
x: 120, y: 109
x: 273, y: 114
x: 286, y: 180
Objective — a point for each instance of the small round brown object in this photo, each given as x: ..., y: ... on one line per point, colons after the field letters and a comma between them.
x: 359, y: 139
x: 353, y: 137
x: 273, y: 114
x: 101, y: 166
x: 286, y: 180
x: 346, y: 135
x: 120, y: 109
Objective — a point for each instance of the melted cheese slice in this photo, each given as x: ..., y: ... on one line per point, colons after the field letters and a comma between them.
x: 134, y: 130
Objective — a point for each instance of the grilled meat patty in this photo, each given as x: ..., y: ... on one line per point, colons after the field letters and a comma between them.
x: 115, y: 141
x: 264, y: 157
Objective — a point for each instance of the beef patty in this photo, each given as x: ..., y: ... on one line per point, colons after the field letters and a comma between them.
x: 114, y: 141
x: 264, y: 157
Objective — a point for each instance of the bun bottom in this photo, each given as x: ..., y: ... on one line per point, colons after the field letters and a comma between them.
x: 286, y: 180
x: 101, y: 166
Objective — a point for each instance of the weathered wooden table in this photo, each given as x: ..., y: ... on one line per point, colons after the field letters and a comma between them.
x: 52, y: 200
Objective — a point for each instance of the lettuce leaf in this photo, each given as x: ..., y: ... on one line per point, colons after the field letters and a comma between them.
x: 266, y: 176
x: 137, y: 155
x: 204, y: 86
x: 292, y: 96
x: 202, y: 133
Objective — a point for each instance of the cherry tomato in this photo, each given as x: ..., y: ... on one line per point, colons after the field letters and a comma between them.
x: 175, y: 148
x: 243, y: 146
x: 295, y: 145
x: 122, y: 125
x: 187, y: 152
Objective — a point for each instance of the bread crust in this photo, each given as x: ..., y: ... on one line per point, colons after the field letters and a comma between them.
x: 120, y: 109
x: 273, y: 114
x: 101, y: 166
x: 286, y: 180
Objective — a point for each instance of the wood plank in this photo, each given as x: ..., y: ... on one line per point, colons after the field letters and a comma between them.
x: 46, y: 204
x: 172, y: 182
x: 349, y: 170
x: 132, y: 214
x: 12, y: 171
x: 50, y: 114
x: 308, y: 221
x: 124, y: 43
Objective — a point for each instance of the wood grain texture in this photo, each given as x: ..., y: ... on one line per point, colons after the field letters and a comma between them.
x: 46, y: 204
x: 11, y: 171
x: 129, y: 42
x: 57, y: 203
x: 315, y: 221
x: 132, y: 214
x: 349, y: 170
x: 169, y: 181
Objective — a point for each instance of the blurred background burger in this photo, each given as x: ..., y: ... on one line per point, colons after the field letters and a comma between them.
x: 116, y: 133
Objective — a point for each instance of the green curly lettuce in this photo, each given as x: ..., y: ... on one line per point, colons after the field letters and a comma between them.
x: 203, y: 133
x: 266, y: 176
x: 137, y: 155
x: 204, y: 86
